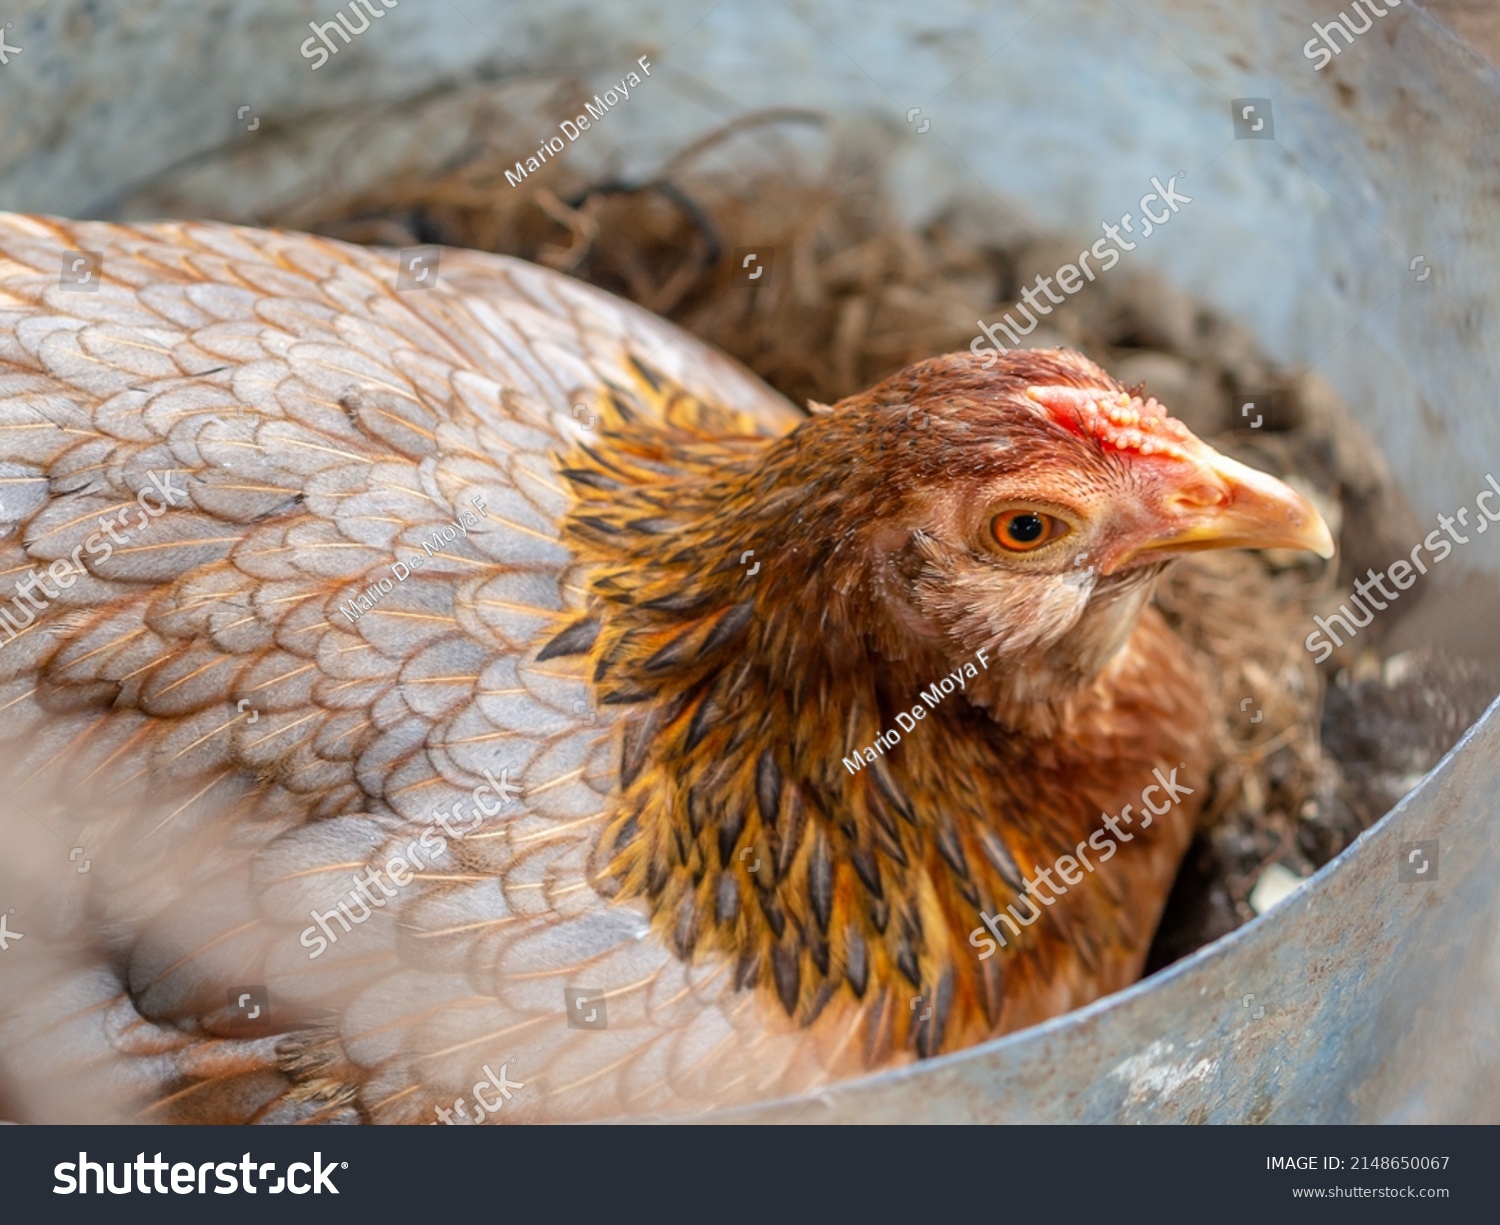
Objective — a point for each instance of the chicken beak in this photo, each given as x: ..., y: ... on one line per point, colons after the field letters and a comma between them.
x: 1219, y: 503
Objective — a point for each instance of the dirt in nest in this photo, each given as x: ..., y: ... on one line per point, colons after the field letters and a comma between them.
x: 1309, y: 756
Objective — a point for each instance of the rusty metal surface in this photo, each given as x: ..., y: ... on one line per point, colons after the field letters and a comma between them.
x: 1477, y: 22
x: 1361, y: 997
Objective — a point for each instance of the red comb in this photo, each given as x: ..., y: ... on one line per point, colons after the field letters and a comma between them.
x: 1115, y: 420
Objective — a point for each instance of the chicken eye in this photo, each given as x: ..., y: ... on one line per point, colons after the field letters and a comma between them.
x: 1020, y: 531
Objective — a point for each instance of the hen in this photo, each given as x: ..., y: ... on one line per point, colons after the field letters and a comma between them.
x: 402, y: 684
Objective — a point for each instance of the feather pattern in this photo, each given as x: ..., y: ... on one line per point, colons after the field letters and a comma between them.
x: 393, y: 653
x: 222, y: 453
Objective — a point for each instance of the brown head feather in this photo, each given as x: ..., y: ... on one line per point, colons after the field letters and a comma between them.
x: 747, y: 691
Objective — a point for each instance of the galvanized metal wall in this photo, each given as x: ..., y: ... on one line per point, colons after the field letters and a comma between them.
x: 1362, y: 997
